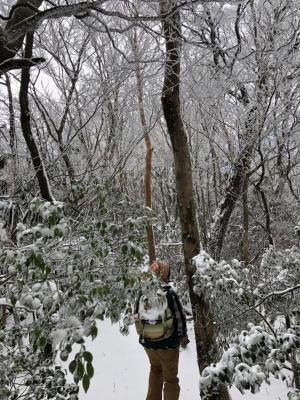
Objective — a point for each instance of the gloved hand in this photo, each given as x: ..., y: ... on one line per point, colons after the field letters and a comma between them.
x: 184, y: 340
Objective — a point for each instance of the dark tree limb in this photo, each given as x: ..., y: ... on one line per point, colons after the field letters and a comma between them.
x: 264, y: 199
x: 19, y: 63
x: 227, y: 205
x: 17, y: 29
x: 15, y: 7
x: 26, y: 126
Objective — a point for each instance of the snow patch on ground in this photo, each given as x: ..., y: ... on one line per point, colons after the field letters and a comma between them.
x: 121, y: 370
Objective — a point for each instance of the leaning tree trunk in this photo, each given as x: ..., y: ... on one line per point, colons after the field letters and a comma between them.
x: 26, y: 126
x: 253, y: 128
x: 234, y: 188
x: 203, y: 321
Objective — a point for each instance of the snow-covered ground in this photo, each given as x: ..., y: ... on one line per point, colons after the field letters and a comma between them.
x: 121, y: 370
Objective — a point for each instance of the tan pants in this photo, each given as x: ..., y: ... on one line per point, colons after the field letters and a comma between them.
x: 163, y: 374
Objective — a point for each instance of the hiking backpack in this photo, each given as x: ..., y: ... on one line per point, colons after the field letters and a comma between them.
x: 153, y: 315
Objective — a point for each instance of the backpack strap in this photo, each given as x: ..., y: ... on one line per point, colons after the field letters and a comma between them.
x: 170, y: 300
x: 137, y: 303
x: 179, y: 316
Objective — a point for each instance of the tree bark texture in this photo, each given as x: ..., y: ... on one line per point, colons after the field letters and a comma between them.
x: 26, y: 126
x: 203, y: 321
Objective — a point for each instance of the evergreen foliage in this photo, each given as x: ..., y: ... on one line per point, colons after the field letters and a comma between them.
x: 58, y: 279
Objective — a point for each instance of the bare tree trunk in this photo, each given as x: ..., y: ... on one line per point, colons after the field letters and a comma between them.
x: 12, y: 124
x: 234, y: 186
x: 68, y: 163
x: 149, y: 148
x: 215, y: 172
x: 59, y: 131
x: 264, y: 199
x: 12, y: 132
x: 245, y: 245
x: 26, y: 126
x: 163, y: 198
x: 204, y: 219
x: 203, y: 322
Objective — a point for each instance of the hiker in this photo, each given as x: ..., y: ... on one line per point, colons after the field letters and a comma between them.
x: 161, y: 338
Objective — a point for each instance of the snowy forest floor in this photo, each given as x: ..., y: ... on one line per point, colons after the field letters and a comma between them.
x: 121, y: 370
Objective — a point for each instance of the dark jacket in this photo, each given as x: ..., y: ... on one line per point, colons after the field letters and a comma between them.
x: 179, y: 322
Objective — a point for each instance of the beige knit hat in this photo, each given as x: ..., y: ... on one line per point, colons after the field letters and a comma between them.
x: 162, y: 268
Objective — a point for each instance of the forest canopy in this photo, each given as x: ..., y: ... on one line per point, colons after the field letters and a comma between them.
x: 124, y: 123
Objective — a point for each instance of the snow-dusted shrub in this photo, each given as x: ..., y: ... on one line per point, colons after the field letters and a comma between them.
x: 278, y: 270
x: 250, y: 359
x: 211, y: 276
x: 268, y: 291
x: 60, y: 276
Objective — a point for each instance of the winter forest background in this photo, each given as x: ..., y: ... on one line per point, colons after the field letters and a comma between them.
x: 97, y: 98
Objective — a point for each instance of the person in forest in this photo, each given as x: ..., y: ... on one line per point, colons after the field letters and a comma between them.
x: 162, y: 335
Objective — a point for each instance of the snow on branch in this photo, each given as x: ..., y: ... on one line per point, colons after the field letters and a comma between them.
x: 32, y: 23
x: 56, y: 280
x: 273, y: 289
x: 250, y: 359
x: 273, y: 294
x: 279, y: 269
x: 211, y: 275
x: 80, y: 10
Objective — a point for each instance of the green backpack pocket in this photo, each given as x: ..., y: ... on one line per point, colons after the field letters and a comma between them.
x: 157, y: 330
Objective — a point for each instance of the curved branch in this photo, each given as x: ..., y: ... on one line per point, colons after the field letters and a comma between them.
x: 273, y: 294
x: 19, y: 63
x: 80, y: 9
x: 32, y: 23
x: 16, y: 6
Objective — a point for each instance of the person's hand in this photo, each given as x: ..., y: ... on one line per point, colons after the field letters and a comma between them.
x: 184, y: 341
